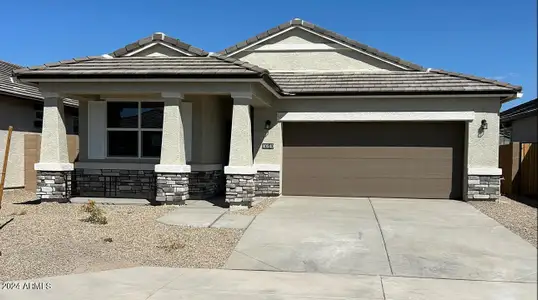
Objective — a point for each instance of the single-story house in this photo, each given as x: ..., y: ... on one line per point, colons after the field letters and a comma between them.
x: 21, y: 106
x: 295, y: 110
x: 520, y: 123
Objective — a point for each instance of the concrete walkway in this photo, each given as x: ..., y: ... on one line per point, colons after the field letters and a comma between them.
x: 147, y: 283
x: 393, y: 237
x: 201, y: 213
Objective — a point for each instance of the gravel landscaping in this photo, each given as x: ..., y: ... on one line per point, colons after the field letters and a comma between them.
x: 518, y: 217
x: 50, y: 239
x: 260, y: 204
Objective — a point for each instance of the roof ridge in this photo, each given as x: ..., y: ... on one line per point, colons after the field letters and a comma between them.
x: 310, y: 26
x: 59, y: 63
x: 158, y: 37
x: 517, y: 88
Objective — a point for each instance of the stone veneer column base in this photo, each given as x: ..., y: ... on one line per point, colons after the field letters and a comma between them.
x: 206, y: 184
x: 483, y: 187
x: 240, y: 190
x: 53, y: 185
x: 172, y: 188
x: 267, y: 183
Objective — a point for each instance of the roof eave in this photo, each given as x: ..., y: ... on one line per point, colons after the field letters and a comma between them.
x: 493, y: 93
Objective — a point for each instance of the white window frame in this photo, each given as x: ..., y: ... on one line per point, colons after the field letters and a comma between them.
x: 138, y: 129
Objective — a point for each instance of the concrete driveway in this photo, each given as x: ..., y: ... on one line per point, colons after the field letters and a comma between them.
x: 394, y: 237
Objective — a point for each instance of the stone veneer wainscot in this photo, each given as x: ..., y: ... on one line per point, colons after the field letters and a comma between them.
x: 483, y: 187
x: 130, y: 183
x: 240, y: 189
x: 53, y: 185
x: 267, y: 183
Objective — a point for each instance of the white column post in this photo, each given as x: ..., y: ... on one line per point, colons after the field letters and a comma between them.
x: 53, y: 153
x: 173, y: 151
x: 240, y: 171
x: 172, y: 171
x: 53, y: 168
x: 241, y: 157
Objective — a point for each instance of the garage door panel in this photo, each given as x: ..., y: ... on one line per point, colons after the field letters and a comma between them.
x: 365, y: 168
x: 368, y: 152
x: 424, y: 160
x: 371, y: 187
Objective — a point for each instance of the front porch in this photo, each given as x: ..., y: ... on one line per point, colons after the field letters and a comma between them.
x: 191, y: 141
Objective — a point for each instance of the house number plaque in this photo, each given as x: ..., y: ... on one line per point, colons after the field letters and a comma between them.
x: 268, y: 146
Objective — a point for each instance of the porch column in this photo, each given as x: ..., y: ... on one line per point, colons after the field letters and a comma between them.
x: 240, y: 171
x: 53, y: 169
x: 172, y: 171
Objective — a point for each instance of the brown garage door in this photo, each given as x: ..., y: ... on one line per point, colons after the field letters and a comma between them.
x: 389, y: 159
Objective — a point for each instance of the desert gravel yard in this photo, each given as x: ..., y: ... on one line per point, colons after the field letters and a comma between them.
x: 50, y: 239
x: 520, y: 218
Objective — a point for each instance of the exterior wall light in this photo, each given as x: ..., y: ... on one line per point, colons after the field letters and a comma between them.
x: 267, y: 125
x: 484, y: 124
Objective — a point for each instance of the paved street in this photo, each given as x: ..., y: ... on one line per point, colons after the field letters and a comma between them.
x: 146, y: 283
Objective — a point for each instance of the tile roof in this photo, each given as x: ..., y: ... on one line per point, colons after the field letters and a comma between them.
x: 338, y: 37
x: 384, y: 82
x: 17, y: 89
x: 162, y: 38
x: 97, y: 66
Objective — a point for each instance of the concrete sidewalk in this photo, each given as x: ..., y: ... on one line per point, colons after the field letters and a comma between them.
x: 201, y: 213
x: 148, y: 283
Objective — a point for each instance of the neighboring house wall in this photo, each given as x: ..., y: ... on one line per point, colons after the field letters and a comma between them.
x: 299, y: 50
x: 21, y: 114
x: 525, y: 130
x: 482, y: 150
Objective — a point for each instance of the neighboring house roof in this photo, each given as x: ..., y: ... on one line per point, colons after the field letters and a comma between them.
x: 17, y: 89
x: 524, y: 110
x: 161, y: 38
x: 381, y: 82
x: 324, y: 32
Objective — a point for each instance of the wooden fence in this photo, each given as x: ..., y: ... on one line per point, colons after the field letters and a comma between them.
x: 519, y: 163
x: 32, y: 144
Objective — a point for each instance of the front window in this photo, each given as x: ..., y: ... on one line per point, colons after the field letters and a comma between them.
x: 134, y: 129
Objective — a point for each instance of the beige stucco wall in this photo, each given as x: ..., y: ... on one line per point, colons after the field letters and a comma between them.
x: 19, y: 113
x: 333, y: 57
x: 207, y: 123
x: 525, y: 130
x: 482, y: 149
x: 261, y: 135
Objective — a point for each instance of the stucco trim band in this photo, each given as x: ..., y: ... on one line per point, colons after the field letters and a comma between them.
x: 172, y: 168
x: 376, y: 116
x: 484, y: 171
x: 267, y: 167
x: 118, y: 166
x: 246, y: 170
x: 53, y: 167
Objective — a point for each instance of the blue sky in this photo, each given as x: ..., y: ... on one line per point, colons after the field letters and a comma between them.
x: 495, y: 39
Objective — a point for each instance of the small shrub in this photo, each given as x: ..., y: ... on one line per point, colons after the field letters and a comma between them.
x: 89, y: 207
x: 171, y: 245
x: 97, y: 215
x: 107, y: 240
